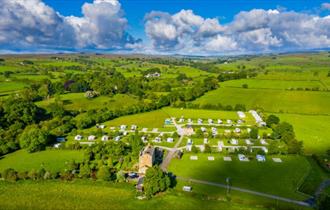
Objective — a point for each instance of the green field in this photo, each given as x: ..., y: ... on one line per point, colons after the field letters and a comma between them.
x: 153, y: 119
x: 53, y: 160
x: 305, y: 102
x: 313, y: 130
x: 78, y: 101
x: 101, y: 195
x: 269, y: 177
x: 272, y: 84
x: 10, y: 86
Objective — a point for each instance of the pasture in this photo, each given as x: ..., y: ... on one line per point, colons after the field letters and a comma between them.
x: 303, y: 102
x: 272, y: 84
x: 78, y: 101
x: 153, y: 119
x: 53, y: 160
x: 313, y: 130
x: 86, y: 194
x: 101, y: 195
x: 269, y: 177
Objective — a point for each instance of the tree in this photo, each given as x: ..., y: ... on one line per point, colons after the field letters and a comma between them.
x: 295, y: 147
x: 194, y: 149
x: 155, y: 181
x: 254, y: 133
x: 34, y: 139
x: 272, y: 120
x: 240, y: 107
x: 84, y: 171
x: 284, y: 131
x: 207, y: 148
x: 323, y: 201
x: 10, y: 175
x: 103, y: 173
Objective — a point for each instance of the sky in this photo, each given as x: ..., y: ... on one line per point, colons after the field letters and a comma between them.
x: 196, y: 27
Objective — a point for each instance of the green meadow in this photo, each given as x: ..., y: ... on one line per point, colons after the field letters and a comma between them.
x: 272, y: 84
x: 102, y: 195
x: 53, y: 160
x: 303, y: 102
x: 78, y: 101
x: 281, y: 179
x: 313, y: 130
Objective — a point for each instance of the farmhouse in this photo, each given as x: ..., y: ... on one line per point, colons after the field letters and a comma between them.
x: 219, y: 121
x: 117, y: 138
x: 152, y: 75
x: 199, y: 121
x: 146, y: 159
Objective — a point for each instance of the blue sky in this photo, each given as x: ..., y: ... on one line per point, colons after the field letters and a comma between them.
x: 201, y: 27
x: 225, y: 10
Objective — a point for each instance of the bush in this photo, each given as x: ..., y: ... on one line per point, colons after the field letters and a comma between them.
x: 155, y: 181
x: 245, y: 86
x: 10, y: 175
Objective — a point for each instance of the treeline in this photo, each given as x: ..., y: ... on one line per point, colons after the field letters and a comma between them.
x: 284, y: 138
x: 15, y: 114
x: 219, y: 106
x: 102, y: 161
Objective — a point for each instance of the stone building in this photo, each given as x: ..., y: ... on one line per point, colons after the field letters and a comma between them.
x: 146, y: 159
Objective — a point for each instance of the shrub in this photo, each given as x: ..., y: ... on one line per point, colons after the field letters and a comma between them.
x: 10, y: 175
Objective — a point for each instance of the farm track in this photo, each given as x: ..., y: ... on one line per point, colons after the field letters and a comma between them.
x: 171, y: 152
x: 301, y: 203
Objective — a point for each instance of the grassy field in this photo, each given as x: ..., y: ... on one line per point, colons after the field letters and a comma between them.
x: 78, y: 101
x: 314, y: 178
x: 53, y: 160
x: 313, y: 130
x: 269, y: 177
x: 10, y: 86
x: 154, y: 119
x: 101, y: 195
x: 272, y: 84
x: 305, y: 102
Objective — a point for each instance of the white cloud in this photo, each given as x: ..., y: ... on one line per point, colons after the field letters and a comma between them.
x: 257, y: 30
x: 325, y: 6
x: 31, y: 23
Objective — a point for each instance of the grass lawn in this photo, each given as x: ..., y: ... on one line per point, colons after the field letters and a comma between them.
x: 84, y: 194
x: 313, y: 130
x: 269, y: 177
x: 53, y: 160
x: 78, y: 101
x: 306, y: 102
